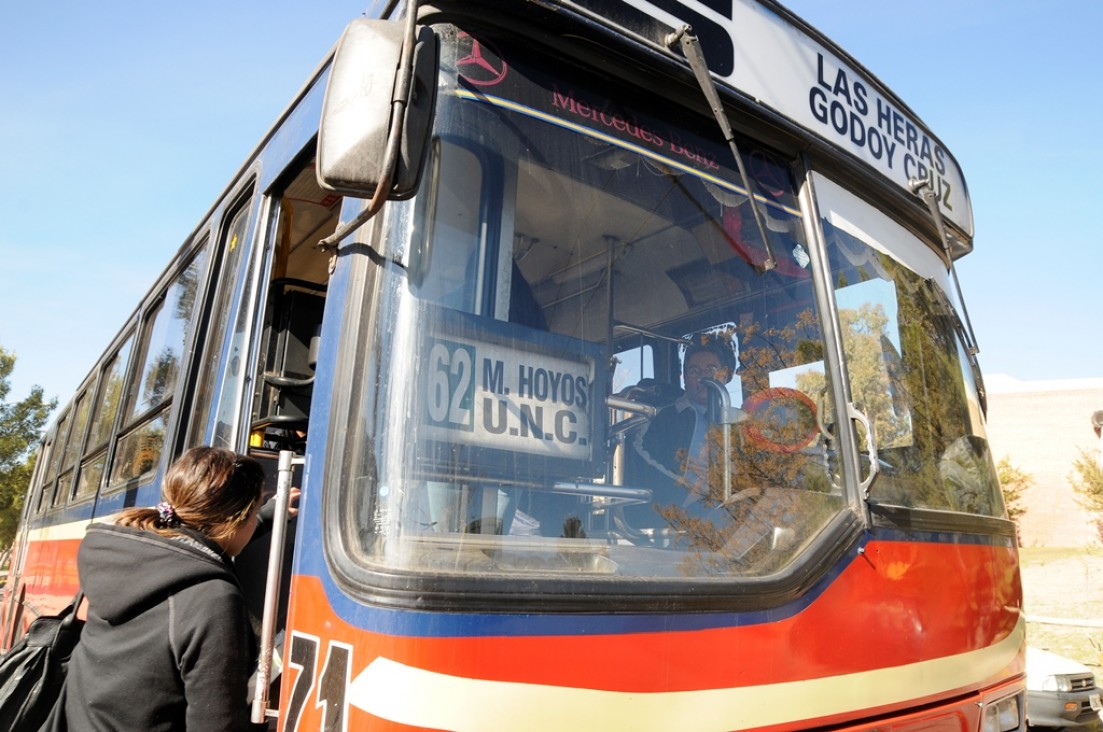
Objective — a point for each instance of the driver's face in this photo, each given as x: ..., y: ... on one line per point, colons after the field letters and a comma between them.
x: 702, y: 365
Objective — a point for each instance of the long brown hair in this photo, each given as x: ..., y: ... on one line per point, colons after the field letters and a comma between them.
x: 209, y: 489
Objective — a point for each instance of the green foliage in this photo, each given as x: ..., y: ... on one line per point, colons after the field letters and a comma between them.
x: 1087, y: 479
x: 21, y: 424
x: 13, y: 488
x: 1013, y: 482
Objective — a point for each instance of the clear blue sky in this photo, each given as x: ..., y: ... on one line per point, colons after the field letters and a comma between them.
x: 121, y: 122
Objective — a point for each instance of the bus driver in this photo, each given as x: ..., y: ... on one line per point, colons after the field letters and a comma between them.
x: 672, y: 450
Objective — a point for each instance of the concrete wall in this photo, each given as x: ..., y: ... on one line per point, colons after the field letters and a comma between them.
x: 1042, y: 426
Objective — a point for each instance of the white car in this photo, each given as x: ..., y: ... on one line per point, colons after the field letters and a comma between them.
x: 1059, y: 691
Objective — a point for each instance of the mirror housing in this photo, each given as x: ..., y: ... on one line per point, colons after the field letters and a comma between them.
x: 364, y: 82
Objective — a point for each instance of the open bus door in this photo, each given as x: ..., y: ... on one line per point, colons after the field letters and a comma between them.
x: 360, y: 127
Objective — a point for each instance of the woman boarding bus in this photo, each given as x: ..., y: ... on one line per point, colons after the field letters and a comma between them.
x: 454, y: 307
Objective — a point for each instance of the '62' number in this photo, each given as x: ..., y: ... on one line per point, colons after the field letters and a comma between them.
x: 451, y: 385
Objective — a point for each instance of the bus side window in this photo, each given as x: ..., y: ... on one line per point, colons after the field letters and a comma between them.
x: 42, y: 495
x: 160, y: 356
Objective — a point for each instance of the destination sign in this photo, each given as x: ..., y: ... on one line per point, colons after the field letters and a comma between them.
x: 490, y: 391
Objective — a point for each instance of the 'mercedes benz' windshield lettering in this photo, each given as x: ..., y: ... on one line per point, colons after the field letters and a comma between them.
x: 669, y: 141
x: 566, y: 101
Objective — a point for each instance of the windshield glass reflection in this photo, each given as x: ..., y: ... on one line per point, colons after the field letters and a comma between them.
x: 607, y: 380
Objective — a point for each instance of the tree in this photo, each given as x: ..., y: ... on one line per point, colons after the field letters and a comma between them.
x: 1013, y: 482
x: 21, y: 424
x: 1087, y: 480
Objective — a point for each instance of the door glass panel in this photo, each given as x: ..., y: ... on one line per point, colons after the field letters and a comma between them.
x: 216, y: 363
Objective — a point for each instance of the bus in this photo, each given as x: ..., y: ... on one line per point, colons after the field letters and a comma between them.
x: 452, y: 295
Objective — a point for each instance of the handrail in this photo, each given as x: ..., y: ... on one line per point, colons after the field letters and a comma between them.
x: 260, y: 711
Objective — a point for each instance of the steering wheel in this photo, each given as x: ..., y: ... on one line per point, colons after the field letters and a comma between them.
x: 782, y: 419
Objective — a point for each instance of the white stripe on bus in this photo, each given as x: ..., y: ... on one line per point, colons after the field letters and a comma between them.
x: 63, y: 532
x: 421, y: 698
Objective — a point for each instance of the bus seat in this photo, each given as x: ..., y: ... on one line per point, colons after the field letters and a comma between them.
x: 652, y: 392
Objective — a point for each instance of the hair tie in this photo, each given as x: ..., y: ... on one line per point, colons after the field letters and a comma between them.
x: 166, y: 516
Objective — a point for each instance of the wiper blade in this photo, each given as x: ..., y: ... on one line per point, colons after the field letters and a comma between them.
x: 922, y: 188
x: 691, y: 47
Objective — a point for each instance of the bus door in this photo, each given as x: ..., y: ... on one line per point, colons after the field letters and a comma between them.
x: 290, y: 325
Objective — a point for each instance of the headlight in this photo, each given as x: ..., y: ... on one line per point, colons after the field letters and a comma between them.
x: 1009, y: 714
x: 1066, y: 683
x: 1002, y: 716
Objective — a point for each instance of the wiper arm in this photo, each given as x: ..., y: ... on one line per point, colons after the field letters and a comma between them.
x: 691, y: 47
x: 922, y: 188
x: 960, y: 329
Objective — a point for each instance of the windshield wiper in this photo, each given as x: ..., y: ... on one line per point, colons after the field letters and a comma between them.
x: 922, y: 188
x: 691, y: 48
x: 943, y: 302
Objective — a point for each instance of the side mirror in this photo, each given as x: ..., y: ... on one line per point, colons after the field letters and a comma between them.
x: 364, y: 81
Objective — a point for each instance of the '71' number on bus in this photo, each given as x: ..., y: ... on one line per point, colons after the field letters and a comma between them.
x: 332, y: 683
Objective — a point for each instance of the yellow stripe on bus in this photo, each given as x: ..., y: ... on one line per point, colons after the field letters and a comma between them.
x: 422, y: 698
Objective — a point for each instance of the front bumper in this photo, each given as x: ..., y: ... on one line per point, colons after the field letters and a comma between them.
x: 1063, y: 709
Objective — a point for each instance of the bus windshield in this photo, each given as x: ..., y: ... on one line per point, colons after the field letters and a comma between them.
x: 536, y: 410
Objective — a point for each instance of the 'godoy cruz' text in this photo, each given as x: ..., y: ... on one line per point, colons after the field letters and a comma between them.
x: 868, y: 121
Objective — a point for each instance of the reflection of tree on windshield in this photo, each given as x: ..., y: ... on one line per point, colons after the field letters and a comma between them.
x: 187, y: 287
x: 776, y: 497
x: 916, y: 398
x: 764, y: 350
x: 161, y: 377
x: 874, y: 384
x: 768, y: 495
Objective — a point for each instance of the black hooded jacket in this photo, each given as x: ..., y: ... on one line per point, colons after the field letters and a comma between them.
x: 167, y: 645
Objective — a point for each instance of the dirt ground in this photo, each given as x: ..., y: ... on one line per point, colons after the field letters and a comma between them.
x: 1065, y: 584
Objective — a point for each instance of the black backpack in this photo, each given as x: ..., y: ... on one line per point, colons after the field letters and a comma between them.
x: 33, y: 671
